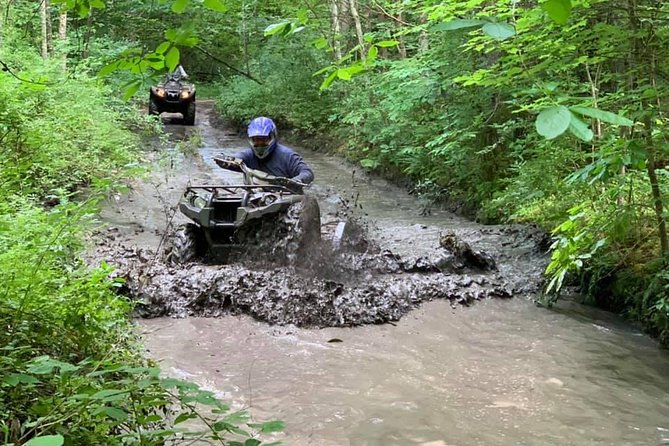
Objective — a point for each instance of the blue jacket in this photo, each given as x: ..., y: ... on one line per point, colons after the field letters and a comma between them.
x: 281, y: 162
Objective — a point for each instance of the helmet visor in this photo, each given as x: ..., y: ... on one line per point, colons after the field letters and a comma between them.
x: 261, y: 145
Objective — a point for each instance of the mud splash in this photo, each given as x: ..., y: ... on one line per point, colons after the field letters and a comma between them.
x: 323, y: 288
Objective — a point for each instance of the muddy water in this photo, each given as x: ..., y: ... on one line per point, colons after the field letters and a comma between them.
x: 500, y: 372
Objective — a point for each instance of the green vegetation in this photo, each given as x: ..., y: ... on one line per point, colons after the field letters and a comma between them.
x: 71, y: 369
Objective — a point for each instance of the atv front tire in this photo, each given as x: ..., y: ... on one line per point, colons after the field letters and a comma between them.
x: 304, y: 237
x: 153, y: 108
x: 186, y: 244
x: 189, y: 114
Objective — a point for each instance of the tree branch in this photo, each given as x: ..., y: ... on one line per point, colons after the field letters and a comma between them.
x: 228, y: 65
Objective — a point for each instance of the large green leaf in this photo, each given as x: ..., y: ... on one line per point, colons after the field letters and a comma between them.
x: 278, y: 28
x: 558, y: 10
x: 499, y: 31
x: 47, y: 440
x: 108, y: 69
x: 328, y: 80
x: 603, y: 115
x: 580, y: 129
x: 163, y: 47
x: 99, y: 4
x: 172, y: 58
x: 553, y: 122
x: 457, y: 24
x: 215, y: 5
x: 180, y: 6
x: 131, y: 88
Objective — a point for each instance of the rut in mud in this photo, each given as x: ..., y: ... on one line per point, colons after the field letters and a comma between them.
x: 366, y: 283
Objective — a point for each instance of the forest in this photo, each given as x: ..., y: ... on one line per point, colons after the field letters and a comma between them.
x: 548, y: 113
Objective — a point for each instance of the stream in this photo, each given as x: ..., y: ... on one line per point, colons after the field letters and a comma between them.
x: 397, y: 360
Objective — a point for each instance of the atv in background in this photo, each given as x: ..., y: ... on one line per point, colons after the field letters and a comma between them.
x: 265, y: 211
x: 174, y: 95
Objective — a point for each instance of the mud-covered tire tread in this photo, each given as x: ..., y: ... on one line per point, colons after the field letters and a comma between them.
x: 186, y: 245
x: 153, y: 108
x: 305, y: 234
x: 189, y: 114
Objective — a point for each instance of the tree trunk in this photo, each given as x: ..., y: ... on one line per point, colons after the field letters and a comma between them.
x: 402, y: 47
x: 424, y: 40
x: 336, y: 28
x: 49, y: 29
x: 87, y: 36
x: 358, y: 27
x: 643, y: 56
x: 62, y: 36
x: 655, y: 190
x: 44, y: 13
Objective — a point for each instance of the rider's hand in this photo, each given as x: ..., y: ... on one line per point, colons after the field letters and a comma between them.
x: 224, y: 161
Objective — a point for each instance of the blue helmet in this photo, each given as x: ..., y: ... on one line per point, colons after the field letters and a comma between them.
x: 265, y: 127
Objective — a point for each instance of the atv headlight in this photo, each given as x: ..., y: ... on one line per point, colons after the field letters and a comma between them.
x: 185, y: 94
x: 160, y: 92
x: 199, y: 202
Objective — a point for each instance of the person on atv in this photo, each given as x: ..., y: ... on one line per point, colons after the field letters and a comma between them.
x: 267, y: 155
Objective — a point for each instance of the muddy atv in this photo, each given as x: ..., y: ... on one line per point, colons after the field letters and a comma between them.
x: 173, y: 95
x: 232, y: 218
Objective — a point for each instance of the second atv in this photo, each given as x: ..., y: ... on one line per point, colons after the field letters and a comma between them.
x: 233, y: 218
x: 174, y: 95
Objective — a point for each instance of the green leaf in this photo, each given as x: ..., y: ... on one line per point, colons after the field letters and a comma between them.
x: 163, y: 47
x: 99, y: 4
x: 113, y: 412
x: 303, y: 16
x: 252, y: 442
x: 130, y: 89
x: 46, y: 440
x: 215, y: 5
x: 457, y: 24
x: 269, y: 426
x: 553, y: 122
x: 20, y: 378
x: 371, y: 54
x: 499, y: 31
x: 183, y: 417
x: 179, y: 6
x: 580, y: 129
x: 387, y: 43
x: 321, y: 43
x: 558, y: 10
x: 108, y: 69
x: 277, y: 28
x: 328, y: 80
x: 172, y: 58
x: 603, y: 115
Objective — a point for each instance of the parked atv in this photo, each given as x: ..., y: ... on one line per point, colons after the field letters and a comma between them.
x: 174, y: 95
x: 229, y: 219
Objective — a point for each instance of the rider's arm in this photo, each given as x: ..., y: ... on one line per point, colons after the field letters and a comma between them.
x: 300, y: 170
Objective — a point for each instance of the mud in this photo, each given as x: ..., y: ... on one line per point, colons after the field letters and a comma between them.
x: 369, y: 280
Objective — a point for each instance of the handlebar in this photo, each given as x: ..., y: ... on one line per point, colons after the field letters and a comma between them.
x: 237, y: 165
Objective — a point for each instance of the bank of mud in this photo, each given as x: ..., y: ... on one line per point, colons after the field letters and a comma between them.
x: 384, y: 274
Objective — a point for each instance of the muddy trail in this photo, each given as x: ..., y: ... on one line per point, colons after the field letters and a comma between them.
x: 378, y: 276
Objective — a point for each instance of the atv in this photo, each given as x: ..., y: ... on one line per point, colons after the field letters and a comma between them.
x: 173, y: 95
x: 231, y: 218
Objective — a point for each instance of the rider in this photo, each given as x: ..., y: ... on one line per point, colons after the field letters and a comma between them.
x: 267, y: 155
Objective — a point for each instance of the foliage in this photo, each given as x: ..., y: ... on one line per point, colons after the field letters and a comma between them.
x: 71, y: 370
